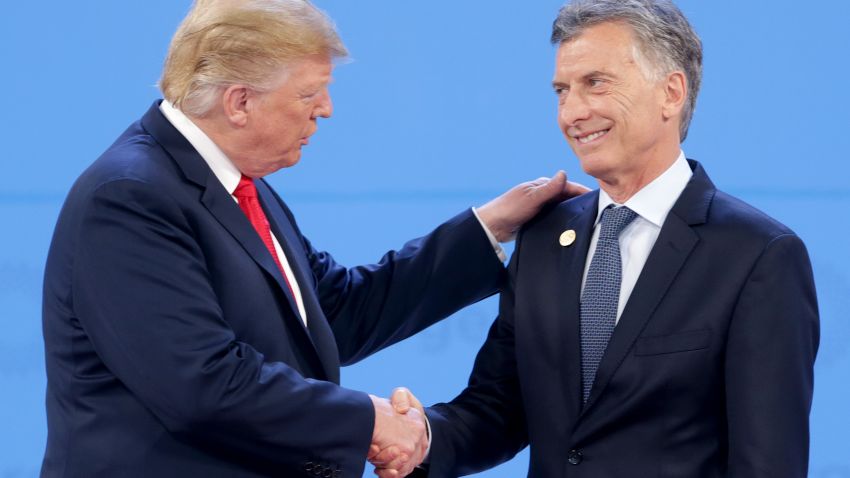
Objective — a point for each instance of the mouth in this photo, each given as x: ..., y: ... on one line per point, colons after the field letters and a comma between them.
x: 591, y: 137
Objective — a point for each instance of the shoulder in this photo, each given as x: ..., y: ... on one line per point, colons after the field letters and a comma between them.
x: 134, y: 158
x: 135, y: 155
x: 555, y: 216
x: 135, y: 177
x: 741, y: 222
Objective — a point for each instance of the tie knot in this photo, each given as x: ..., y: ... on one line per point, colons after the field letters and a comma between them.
x: 614, y: 220
x: 245, y: 188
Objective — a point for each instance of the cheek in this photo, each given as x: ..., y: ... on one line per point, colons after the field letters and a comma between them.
x: 561, y: 123
x: 623, y: 105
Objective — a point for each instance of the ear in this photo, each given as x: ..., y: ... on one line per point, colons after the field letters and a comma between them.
x: 675, y: 94
x: 235, y: 103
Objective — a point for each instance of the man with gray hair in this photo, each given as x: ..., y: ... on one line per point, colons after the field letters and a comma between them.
x: 657, y: 327
x: 190, y: 329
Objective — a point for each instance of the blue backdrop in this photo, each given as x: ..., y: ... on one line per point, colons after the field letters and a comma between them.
x: 445, y: 105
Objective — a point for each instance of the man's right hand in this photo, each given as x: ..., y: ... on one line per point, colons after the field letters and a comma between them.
x: 400, y: 439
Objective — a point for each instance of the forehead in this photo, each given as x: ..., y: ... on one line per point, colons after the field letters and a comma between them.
x: 607, y: 47
x: 313, y: 70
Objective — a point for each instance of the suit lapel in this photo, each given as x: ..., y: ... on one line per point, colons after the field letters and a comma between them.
x: 290, y: 240
x: 226, y: 211
x: 219, y: 203
x: 674, y: 244
x: 570, y: 264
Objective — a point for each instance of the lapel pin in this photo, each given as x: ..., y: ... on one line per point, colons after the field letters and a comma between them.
x: 567, y: 238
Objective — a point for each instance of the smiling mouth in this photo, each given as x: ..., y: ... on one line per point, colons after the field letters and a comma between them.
x: 592, y: 136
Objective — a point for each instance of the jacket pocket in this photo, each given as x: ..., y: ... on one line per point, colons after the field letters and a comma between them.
x: 673, y: 343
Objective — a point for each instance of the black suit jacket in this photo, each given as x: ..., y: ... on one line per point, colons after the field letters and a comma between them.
x: 708, y: 372
x: 173, y: 346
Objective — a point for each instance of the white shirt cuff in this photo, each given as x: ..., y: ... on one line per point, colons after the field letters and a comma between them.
x: 497, y: 248
x: 430, y: 437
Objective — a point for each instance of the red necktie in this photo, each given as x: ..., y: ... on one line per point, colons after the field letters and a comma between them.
x: 246, y: 194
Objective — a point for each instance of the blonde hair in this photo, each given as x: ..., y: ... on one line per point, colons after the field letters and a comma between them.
x: 251, y: 42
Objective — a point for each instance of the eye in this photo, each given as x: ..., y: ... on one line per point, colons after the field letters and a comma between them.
x: 594, y: 82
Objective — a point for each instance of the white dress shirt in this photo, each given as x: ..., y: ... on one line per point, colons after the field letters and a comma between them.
x: 652, y: 204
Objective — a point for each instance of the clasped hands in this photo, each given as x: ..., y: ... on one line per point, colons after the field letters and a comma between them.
x: 400, y: 439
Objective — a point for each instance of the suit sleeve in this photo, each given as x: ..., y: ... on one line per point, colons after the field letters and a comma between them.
x: 144, y: 299
x: 374, y: 306
x: 484, y: 425
x: 770, y: 356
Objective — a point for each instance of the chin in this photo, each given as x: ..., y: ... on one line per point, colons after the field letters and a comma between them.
x: 288, y: 161
x: 590, y: 164
x: 596, y: 167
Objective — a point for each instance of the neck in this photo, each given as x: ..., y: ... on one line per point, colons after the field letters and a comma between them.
x: 217, y: 131
x: 622, y: 185
x: 210, y: 128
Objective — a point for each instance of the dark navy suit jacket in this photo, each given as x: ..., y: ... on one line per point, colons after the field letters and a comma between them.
x: 708, y: 372
x: 173, y: 346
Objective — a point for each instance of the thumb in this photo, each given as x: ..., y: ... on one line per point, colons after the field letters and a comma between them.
x: 553, y: 188
x: 572, y: 189
x: 401, y: 400
x: 373, y: 451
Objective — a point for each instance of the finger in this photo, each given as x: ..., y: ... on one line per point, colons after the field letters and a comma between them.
x: 407, y: 469
x: 552, y: 187
x: 401, y: 400
x: 373, y: 451
x: 536, y: 183
x: 399, y: 463
x: 387, y: 455
x: 575, y: 189
x: 386, y: 473
x: 415, y: 403
x: 407, y: 398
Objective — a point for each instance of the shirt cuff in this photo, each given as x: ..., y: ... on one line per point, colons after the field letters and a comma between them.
x: 497, y: 248
x: 427, y: 450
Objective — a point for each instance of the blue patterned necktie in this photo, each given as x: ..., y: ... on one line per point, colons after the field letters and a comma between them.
x: 601, y: 293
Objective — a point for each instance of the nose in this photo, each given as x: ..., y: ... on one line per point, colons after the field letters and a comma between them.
x: 572, y: 109
x: 324, y: 105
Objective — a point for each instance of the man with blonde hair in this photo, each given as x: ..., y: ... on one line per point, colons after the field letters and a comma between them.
x: 190, y: 328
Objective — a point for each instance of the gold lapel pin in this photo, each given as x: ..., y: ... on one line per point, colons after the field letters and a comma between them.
x: 567, y: 238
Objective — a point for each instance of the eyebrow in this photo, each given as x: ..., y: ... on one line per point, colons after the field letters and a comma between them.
x: 592, y: 74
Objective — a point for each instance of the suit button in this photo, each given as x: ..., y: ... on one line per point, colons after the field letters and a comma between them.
x: 574, y: 457
x: 308, y: 467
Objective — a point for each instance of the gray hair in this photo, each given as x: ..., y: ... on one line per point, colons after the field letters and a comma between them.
x: 666, y: 39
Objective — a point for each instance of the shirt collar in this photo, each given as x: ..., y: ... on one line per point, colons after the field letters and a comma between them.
x: 654, y: 201
x: 219, y: 163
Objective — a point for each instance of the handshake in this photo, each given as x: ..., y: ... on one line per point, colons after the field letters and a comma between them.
x: 400, y: 439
